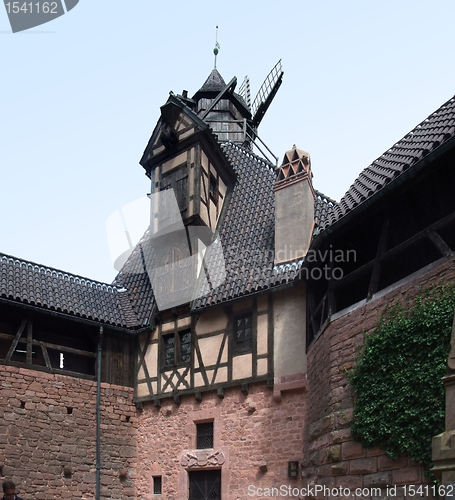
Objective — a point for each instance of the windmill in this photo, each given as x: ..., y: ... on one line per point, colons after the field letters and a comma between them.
x: 234, y: 117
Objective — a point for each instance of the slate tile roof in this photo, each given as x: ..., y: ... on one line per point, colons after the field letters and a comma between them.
x: 52, y: 289
x: 324, y: 210
x: 134, y: 278
x: 435, y: 130
x: 214, y: 82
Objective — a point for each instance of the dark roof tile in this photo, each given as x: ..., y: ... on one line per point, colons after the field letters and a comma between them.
x: 52, y: 289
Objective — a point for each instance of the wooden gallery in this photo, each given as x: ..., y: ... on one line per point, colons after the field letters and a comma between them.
x: 214, y: 365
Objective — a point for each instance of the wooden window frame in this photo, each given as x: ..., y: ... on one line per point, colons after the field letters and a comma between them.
x: 238, y: 349
x: 178, y: 344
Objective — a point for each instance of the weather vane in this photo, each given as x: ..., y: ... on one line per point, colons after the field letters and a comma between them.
x: 217, y: 46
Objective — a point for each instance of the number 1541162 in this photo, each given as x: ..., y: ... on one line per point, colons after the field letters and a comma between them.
x: 31, y: 7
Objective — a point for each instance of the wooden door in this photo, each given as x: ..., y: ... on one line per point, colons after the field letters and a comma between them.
x: 205, y: 485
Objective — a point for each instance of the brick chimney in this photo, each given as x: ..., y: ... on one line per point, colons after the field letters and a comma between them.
x: 294, y: 206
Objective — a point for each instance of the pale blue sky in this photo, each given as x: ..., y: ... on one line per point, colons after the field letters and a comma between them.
x: 80, y: 97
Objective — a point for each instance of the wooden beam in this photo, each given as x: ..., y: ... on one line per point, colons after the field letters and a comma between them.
x: 440, y: 244
x: 16, y: 340
x: 46, y: 356
x: 382, y: 245
x: 232, y: 84
x: 28, y: 359
x: 66, y: 349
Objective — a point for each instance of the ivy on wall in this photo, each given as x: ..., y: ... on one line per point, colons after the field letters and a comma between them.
x: 399, y: 395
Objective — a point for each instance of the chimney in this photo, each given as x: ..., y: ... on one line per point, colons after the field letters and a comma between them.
x: 294, y: 207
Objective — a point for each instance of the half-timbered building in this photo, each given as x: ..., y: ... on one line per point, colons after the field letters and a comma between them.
x: 212, y: 367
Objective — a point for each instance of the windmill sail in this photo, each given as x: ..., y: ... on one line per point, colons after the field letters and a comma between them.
x: 266, y: 93
x: 245, y: 92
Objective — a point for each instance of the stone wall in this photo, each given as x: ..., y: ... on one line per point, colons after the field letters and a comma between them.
x: 332, y: 457
x: 254, y: 438
x: 48, y: 436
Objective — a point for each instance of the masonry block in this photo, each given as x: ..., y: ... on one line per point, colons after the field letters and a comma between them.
x: 407, y: 476
x: 363, y: 465
x: 378, y: 479
x: 352, y: 449
x: 340, y: 469
x: 340, y: 436
x: 334, y: 453
x: 387, y: 463
x: 352, y: 481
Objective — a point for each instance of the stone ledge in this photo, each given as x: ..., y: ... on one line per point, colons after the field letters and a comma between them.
x: 288, y: 383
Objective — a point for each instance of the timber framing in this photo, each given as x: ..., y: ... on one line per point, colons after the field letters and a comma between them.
x: 393, y: 238
x: 56, y: 343
x: 215, y: 362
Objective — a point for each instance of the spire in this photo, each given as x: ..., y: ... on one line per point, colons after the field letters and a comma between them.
x: 217, y: 47
x: 214, y: 83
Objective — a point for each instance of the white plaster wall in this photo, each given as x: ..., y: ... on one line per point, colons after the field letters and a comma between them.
x: 289, y: 322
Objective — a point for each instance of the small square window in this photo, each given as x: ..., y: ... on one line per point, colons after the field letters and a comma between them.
x: 157, y: 485
x: 293, y: 469
x: 204, y: 433
x: 243, y: 333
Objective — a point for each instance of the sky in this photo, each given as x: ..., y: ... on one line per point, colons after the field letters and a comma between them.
x: 80, y: 97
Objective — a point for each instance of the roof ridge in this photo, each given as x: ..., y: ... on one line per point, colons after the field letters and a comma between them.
x: 327, y: 198
x: 247, y: 151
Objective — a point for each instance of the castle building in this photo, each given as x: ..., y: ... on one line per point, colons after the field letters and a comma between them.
x: 212, y: 367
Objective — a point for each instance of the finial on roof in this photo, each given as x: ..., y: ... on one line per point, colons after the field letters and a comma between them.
x: 217, y: 46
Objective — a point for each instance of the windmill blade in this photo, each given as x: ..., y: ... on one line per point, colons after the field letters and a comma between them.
x: 266, y: 93
x: 245, y: 91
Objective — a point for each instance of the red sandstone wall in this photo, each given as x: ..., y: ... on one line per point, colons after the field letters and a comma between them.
x: 249, y: 430
x: 39, y: 437
x: 332, y: 457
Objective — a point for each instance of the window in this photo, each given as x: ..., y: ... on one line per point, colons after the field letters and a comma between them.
x: 213, y: 188
x: 177, y: 348
x: 185, y: 346
x: 157, y: 485
x: 204, y: 435
x: 243, y: 333
x: 169, y: 350
x: 293, y: 469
